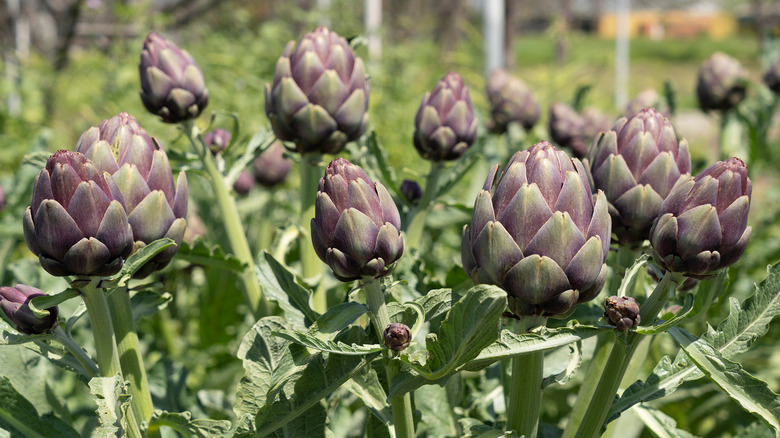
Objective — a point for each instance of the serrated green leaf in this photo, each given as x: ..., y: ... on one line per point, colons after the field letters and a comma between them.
x: 572, y: 363
x: 751, y: 393
x: 336, y: 319
x: 365, y: 384
x: 438, y: 418
x: 472, y: 324
x: 112, y: 397
x: 149, y: 302
x: 213, y: 256
x: 672, y: 322
x: 183, y: 423
x: 756, y: 430
x: 628, y: 284
x: 139, y: 259
x: 662, y: 425
x: 316, y: 343
x: 39, y: 305
x: 281, y: 286
x: 37, y: 159
x: 21, y: 419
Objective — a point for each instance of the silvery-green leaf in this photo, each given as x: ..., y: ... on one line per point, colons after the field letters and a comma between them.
x: 659, y: 423
x: 112, y: 397
x: 183, y: 423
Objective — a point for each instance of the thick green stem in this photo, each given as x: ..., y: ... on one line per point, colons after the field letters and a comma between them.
x: 417, y: 217
x: 102, y: 328
x: 75, y: 349
x: 585, y: 394
x: 403, y: 420
x: 623, y: 349
x: 525, y: 392
x: 311, y: 265
x: 232, y: 220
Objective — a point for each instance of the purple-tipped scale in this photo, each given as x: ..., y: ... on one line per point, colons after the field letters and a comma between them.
x: 15, y: 302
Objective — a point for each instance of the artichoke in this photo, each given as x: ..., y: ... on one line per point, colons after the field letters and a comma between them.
x: 539, y: 233
x: 217, y: 140
x: 411, y: 191
x: 595, y: 122
x: 721, y: 83
x: 172, y: 84
x: 397, y: 336
x: 271, y: 167
x: 156, y: 208
x: 510, y: 101
x: 772, y: 77
x: 77, y: 223
x: 244, y: 183
x: 15, y: 302
x: 622, y: 312
x: 636, y: 164
x: 356, y: 225
x: 445, y: 125
x: 567, y: 129
x: 648, y: 98
x: 702, y: 224
x: 319, y: 95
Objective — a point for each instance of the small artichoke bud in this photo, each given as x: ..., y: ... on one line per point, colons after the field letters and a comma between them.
x: 397, y: 336
x: 244, y: 182
x: 622, y: 312
x: 539, y: 233
x: 319, y: 95
x: 702, y: 225
x: 511, y: 100
x: 772, y: 77
x: 271, y: 167
x: 356, y: 225
x: 172, y: 84
x: 567, y: 129
x: 15, y: 302
x: 445, y: 125
x: 721, y: 83
x: 636, y: 164
x: 217, y: 140
x: 77, y: 224
x: 411, y: 191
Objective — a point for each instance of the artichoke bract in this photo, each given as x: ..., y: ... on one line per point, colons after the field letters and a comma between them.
x: 319, y: 95
x: 636, y: 164
x: 77, y: 223
x: 566, y: 128
x: 356, y: 224
x: 539, y: 233
x: 172, y: 84
x: 271, y: 167
x: 444, y: 126
x: 156, y: 208
x: 772, y: 77
x: 702, y: 225
x: 721, y: 83
x: 511, y: 100
x: 15, y: 302
x: 217, y: 140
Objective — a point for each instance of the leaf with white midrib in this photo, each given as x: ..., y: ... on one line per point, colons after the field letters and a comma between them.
x: 326, y: 345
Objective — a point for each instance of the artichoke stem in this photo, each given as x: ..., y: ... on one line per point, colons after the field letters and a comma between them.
x: 418, y: 216
x: 311, y: 265
x: 75, y: 349
x: 585, y: 394
x: 525, y: 391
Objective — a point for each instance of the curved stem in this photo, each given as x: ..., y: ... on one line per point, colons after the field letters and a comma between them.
x: 253, y: 294
x: 311, y: 265
x: 75, y: 349
x: 417, y: 217
x: 102, y: 328
x: 525, y: 391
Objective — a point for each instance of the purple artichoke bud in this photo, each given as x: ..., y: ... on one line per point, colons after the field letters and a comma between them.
x: 244, y: 182
x: 702, y: 225
x: 271, y: 167
x: 411, y: 191
x: 15, y: 302
x: 356, y: 225
x: 397, y: 336
x: 217, y: 140
x: 156, y: 208
x: 567, y: 129
x: 319, y: 95
x: 510, y: 101
x: 721, y: 84
x: 172, y: 84
x: 636, y: 164
x: 539, y: 233
x: 772, y: 77
x: 445, y: 125
x: 648, y: 98
x: 595, y: 122
x: 77, y: 223
x: 622, y: 312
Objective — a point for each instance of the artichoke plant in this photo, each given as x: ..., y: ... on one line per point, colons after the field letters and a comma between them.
x: 156, y: 208
x: 15, y: 302
x: 636, y: 164
x: 319, y: 95
x: 511, y: 100
x: 217, y: 140
x: 172, y: 84
x: 356, y: 225
x: 702, y: 224
x: 622, y: 312
x: 271, y: 167
x: 567, y: 128
x: 77, y: 223
x: 444, y: 126
x: 721, y: 83
x: 772, y: 76
x: 539, y: 233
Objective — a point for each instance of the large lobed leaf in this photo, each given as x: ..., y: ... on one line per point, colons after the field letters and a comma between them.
x: 19, y: 417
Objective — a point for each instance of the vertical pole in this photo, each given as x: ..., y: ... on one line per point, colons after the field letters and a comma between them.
x: 373, y: 21
x: 621, y: 52
x: 494, y: 22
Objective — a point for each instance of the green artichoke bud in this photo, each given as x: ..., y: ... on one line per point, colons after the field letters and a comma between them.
x: 77, y: 223
x: 702, y: 224
x: 622, y: 312
x: 511, y: 100
x: 244, y: 183
x: 648, y: 98
x: 721, y: 84
x: 356, y: 225
x: 772, y: 77
x: 636, y: 164
x: 172, y: 84
x: 217, y: 140
x: 411, y: 191
x: 15, y: 302
x: 445, y: 125
x: 271, y: 167
x: 156, y: 208
x: 567, y: 129
x: 397, y: 336
x: 539, y: 233
x: 319, y: 95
